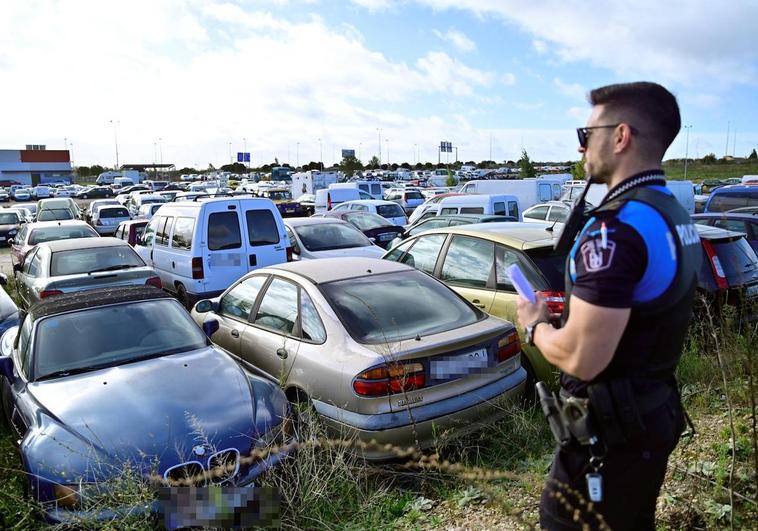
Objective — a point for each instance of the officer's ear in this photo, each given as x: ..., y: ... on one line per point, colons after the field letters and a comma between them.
x: 622, y: 137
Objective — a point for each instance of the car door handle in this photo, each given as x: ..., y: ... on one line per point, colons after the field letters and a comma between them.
x: 173, y: 265
x: 477, y: 303
x: 235, y: 333
x: 282, y: 353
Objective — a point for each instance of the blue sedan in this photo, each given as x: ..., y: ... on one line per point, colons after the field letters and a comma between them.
x: 123, y: 378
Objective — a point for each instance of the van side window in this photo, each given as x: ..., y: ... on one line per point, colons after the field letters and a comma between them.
x: 223, y: 231
x: 149, y: 235
x: 513, y: 208
x: 448, y: 211
x: 499, y: 209
x: 182, y: 238
x: 164, y: 232
x: 472, y: 210
x: 545, y: 192
x: 261, y: 227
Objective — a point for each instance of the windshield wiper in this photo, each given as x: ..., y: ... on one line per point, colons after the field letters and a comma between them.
x: 112, y: 268
x: 68, y: 372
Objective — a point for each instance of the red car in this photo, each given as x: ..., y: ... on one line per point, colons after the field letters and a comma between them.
x: 131, y: 230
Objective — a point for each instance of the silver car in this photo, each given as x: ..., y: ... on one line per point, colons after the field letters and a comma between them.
x: 328, y: 238
x: 80, y: 264
x: 381, y: 351
x: 107, y: 218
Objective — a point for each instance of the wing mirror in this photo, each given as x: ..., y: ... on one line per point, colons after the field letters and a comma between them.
x: 17, y: 267
x: 204, y: 306
x: 6, y: 367
x: 210, y: 327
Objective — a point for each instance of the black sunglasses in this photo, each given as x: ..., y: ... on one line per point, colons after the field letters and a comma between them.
x: 584, y: 132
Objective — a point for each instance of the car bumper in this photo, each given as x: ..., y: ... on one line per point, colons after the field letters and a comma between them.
x: 427, y: 425
x: 106, y: 229
x: 55, y: 515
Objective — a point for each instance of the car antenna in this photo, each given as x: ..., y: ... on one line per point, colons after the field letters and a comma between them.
x: 550, y: 229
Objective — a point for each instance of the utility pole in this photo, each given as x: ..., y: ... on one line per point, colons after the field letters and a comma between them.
x: 155, y: 153
x: 734, y: 143
x: 490, y: 146
x: 321, y: 154
x: 230, y: 153
x: 115, y: 137
x: 297, y: 155
x: 71, y: 153
x: 160, y: 149
x: 726, y: 151
x: 380, y: 145
x: 686, y: 149
x: 387, y: 141
x: 359, y: 150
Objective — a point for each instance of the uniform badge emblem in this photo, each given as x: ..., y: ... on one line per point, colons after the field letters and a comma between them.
x: 596, y: 256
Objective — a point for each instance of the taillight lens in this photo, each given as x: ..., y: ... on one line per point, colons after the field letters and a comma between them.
x: 390, y: 379
x: 508, y: 346
x: 197, y: 269
x: 716, y: 267
x: 49, y: 293
x: 555, y: 301
x: 154, y: 281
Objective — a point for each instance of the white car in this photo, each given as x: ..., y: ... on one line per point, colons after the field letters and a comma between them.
x: 61, y: 192
x: 552, y: 211
x: 106, y: 219
x: 328, y: 238
x: 21, y: 194
x: 41, y: 192
x: 389, y: 210
x: 147, y: 211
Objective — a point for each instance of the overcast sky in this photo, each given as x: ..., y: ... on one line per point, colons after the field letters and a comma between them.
x: 490, y: 76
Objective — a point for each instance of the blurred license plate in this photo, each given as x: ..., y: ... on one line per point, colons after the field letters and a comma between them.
x: 751, y: 291
x: 460, y: 365
x: 387, y: 236
x: 2, y: 238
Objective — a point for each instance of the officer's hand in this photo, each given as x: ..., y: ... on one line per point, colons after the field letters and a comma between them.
x: 528, y: 312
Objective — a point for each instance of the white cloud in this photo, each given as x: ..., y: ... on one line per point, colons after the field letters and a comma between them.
x: 579, y: 113
x: 457, y: 39
x: 570, y: 90
x: 667, y: 41
x: 508, y: 79
x: 375, y: 5
x: 202, y: 75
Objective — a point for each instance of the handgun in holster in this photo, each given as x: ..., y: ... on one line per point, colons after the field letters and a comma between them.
x: 552, y: 410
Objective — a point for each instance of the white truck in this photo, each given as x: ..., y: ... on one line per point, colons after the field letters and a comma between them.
x: 682, y: 190
x: 528, y: 191
x: 308, y: 182
x: 109, y: 177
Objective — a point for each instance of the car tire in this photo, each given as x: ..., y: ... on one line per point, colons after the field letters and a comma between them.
x: 85, y: 196
x: 183, y: 296
x: 307, y: 426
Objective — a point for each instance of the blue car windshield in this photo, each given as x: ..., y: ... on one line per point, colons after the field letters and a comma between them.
x: 107, y: 336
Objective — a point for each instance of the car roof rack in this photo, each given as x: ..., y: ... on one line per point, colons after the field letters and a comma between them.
x: 222, y: 194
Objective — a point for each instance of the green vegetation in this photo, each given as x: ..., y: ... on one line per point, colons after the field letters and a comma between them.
x: 526, y: 166
x: 494, y: 475
x: 697, y: 170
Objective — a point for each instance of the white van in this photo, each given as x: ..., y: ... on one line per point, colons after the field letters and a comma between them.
x: 200, y: 247
x: 372, y: 188
x: 331, y: 197
x: 682, y: 190
x: 528, y: 191
x: 488, y: 204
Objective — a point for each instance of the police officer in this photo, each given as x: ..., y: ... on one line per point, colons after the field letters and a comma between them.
x: 630, y: 284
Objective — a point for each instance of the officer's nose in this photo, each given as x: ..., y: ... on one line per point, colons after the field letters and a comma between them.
x: 581, y: 149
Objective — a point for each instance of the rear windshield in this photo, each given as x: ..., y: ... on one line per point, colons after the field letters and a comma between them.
x: 368, y: 221
x: 49, y: 234
x: 113, y: 213
x: 78, y: 261
x: 738, y: 260
x: 57, y: 214
x: 390, y: 211
x: 551, y: 265
x: 278, y: 195
x: 397, y: 306
x: 731, y: 200
x: 413, y: 195
x: 329, y: 236
x: 8, y: 219
x: 114, y: 335
x: 261, y: 227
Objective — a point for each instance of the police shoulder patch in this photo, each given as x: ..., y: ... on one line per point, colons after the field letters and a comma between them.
x: 597, y: 255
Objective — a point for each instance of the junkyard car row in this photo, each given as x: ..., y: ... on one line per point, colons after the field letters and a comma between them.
x: 388, y: 334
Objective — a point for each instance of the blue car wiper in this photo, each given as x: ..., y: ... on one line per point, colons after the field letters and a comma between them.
x: 67, y: 372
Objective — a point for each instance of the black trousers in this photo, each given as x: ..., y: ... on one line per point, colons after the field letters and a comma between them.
x: 632, y: 478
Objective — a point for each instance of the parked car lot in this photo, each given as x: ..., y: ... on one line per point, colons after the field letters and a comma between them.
x: 107, y: 218
x: 376, y: 228
x: 318, y: 237
x: 90, y: 385
x: 375, y: 347
x: 32, y: 234
x: 744, y: 222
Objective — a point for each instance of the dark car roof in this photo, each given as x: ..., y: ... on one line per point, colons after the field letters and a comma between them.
x: 727, y: 215
x: 97, y: 297
x: 715, y: 233
x: 82, y: 243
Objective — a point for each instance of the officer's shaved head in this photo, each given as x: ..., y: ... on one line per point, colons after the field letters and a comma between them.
x: 648, y: 107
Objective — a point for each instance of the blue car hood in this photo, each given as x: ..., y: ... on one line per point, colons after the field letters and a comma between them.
x: 156, y: 410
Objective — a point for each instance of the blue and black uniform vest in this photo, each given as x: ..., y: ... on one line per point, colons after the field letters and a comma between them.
x: 652, y: 342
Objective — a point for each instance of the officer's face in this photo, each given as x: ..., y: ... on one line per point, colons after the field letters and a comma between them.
x: 598, y: 152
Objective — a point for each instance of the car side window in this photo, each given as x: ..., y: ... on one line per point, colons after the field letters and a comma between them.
x: 448, y: 211
x: 731, y: 224
x: 539, y: 212
x: 506, y: 257
x: 423, y: 255
x: 311, y: 327
x: 398, y: 251
x: 182, y: 237
x: 223, y: 231
x: 164, y: 232
x: 545, y: 194
x: 472, y: 210
x: 31, y: 267
x: 119, y: 233
x: 362, y: 208
x: 469, y: 262
x: 557, y: 213
x: 149, y: 235
x: 513, y: 208
x: 23, y: 346
x: 499, y: 208
x: 428, y: 225
x: 342, y: 206
x: 278, y: 308
x: 240, y: 300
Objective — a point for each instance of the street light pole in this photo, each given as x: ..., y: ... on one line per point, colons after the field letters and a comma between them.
x: 115, y: 137
x: 387, y: 142
x: 160, y: 149
x: 686, y: 149
x: 297, y: 155
x: 321, y: 154
x: 378, y: 130
x: 71, y: 153
x: 155, y: 153
x: 230, y: 153
x: 359, y: 150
